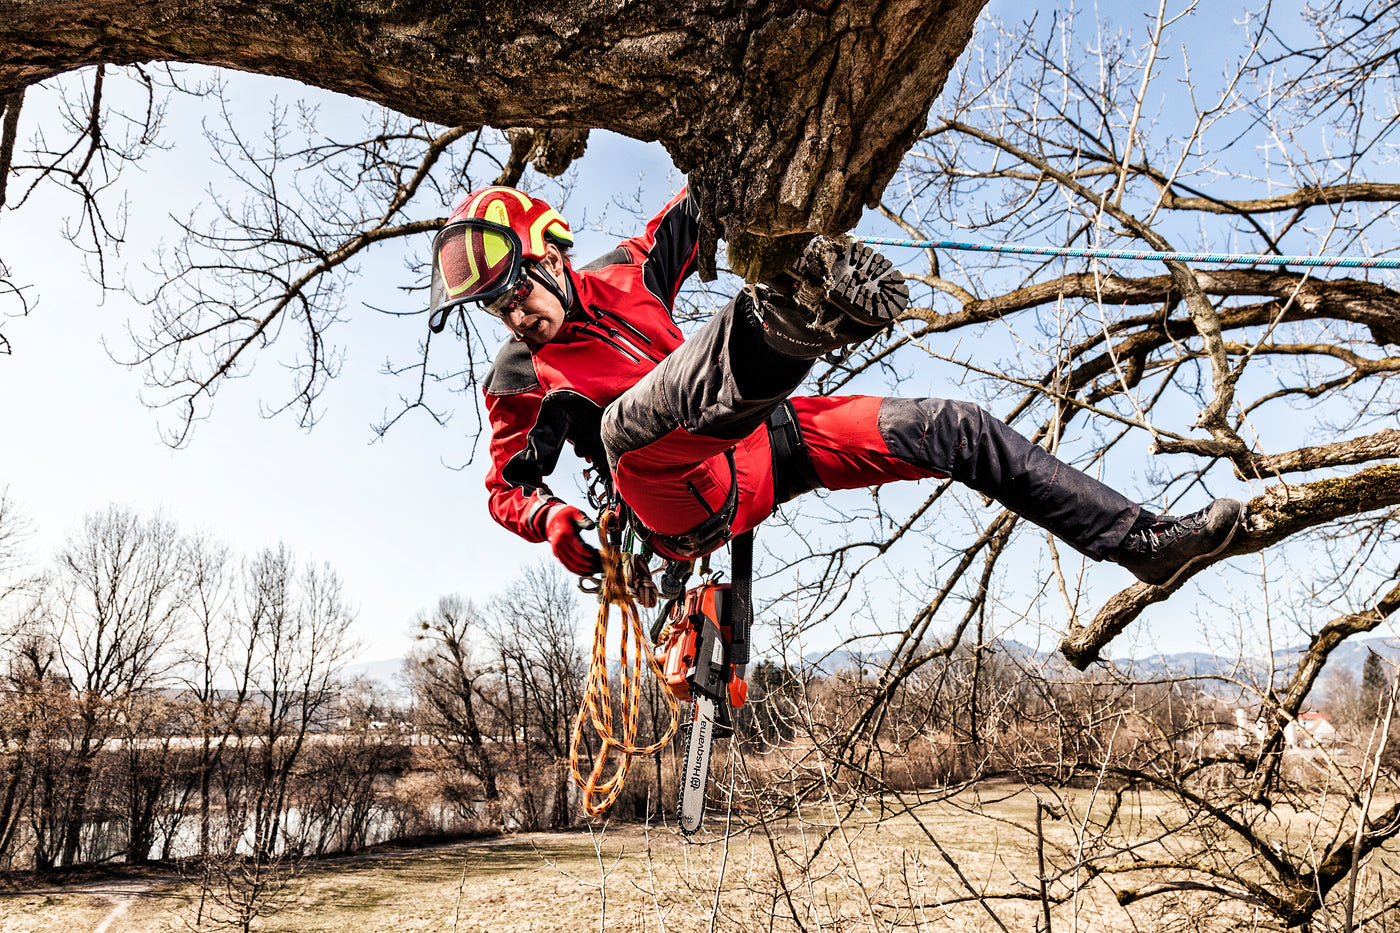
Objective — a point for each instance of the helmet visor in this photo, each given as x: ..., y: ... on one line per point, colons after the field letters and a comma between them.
x: 473, y: 261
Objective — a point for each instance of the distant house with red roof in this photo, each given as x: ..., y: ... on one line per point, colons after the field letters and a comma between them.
x: 1310, y: 729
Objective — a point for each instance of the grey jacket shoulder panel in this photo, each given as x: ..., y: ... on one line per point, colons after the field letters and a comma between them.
x: 614, y: 257
x: 513, y: 372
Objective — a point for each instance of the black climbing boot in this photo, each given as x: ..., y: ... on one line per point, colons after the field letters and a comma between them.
x: 838, y: 292
x: 1161, y: 552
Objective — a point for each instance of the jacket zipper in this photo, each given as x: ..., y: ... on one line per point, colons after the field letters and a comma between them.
x: 622, y: 321
x: 632, y: 353
x: 620, y: 337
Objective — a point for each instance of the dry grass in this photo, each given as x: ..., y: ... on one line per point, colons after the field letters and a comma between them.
x: 876, y: 871
x: 71, y: 913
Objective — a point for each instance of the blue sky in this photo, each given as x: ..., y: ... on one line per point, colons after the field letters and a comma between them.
x: 395, y: 518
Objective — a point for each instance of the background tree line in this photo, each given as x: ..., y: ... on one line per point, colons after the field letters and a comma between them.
x: 160, y: 696
x: 164, y: 699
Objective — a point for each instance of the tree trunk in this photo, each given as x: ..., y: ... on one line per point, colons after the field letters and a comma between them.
x: 18, y: 787
x: 206, y: 775
x: 560, y: 817
x: 485, y: 767
x: 76, y: 813
x: 786, y: 115
x: 76, y: 805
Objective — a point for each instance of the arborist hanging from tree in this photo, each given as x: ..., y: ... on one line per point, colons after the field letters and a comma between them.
x: 701, y: 437
x: 698, y: 440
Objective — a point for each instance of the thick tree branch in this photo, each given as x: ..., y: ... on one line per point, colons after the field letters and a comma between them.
x: 1281, y: 512
x: 1379, y: 446
x: 10, y: 106
x: 1368, y: 303
x: 787, y: 115
x: 1289, y: 201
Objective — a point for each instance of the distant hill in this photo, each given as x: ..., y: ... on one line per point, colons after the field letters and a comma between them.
x: 1349, y: 657
x: 387, y: 674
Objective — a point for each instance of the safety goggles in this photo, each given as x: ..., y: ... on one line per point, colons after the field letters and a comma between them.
x: 477, y: 261
x: 502, y: 305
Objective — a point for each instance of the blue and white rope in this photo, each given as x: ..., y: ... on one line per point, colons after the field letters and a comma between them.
x: 1349, y: 262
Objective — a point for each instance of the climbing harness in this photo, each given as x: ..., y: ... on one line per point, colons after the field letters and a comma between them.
x: 601, y: 789
x: 1345, y: 262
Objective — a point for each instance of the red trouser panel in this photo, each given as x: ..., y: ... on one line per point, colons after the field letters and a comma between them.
x: 843, y: 439
x: 665, y: 481
x: 848, y: 450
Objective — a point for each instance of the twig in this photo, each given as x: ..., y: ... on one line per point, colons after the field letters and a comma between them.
x: 1366, y: 806
x: 728, y: 822
x: 977, y: 895
x: 1040, y: 857
x: 773, y: 850
x: 461, y: 886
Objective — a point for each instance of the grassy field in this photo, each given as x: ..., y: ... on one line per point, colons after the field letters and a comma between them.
x: 874, y: 871
x: 619, y: 880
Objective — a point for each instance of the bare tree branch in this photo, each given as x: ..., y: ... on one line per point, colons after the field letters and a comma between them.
x: 9, y: 133
x: 1279, y: 513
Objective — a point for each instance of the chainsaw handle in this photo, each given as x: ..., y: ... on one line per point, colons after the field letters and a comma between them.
x: 741, y: 610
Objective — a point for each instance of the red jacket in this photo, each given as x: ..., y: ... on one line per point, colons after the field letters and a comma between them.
x: 619, y: 328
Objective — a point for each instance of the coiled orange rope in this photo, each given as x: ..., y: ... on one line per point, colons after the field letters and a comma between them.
x: 599, y: 792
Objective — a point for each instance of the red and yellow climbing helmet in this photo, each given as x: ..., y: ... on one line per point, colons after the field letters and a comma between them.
x: 482, y: 251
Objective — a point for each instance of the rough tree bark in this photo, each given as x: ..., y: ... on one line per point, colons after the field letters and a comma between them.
x: 786, y: 115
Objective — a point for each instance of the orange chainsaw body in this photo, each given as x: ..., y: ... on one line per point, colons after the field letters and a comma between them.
x: 676, y: 655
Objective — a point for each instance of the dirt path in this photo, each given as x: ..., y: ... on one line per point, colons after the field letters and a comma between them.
x: 119, y: 908
x: 120, y: 893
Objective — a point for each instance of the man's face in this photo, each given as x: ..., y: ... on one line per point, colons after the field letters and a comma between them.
x: 538, y: 319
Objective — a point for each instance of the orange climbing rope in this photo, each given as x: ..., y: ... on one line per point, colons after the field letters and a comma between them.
x: 599, y: 792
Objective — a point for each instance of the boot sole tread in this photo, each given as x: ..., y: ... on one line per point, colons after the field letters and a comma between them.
x: 867, y: 287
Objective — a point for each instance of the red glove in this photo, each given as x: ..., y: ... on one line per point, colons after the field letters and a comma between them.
x: 562, y: 525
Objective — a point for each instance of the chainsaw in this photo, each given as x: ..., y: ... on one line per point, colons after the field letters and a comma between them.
x: 702, y: 652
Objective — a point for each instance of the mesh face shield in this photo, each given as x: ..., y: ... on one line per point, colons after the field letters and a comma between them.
x: 474, y: 261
